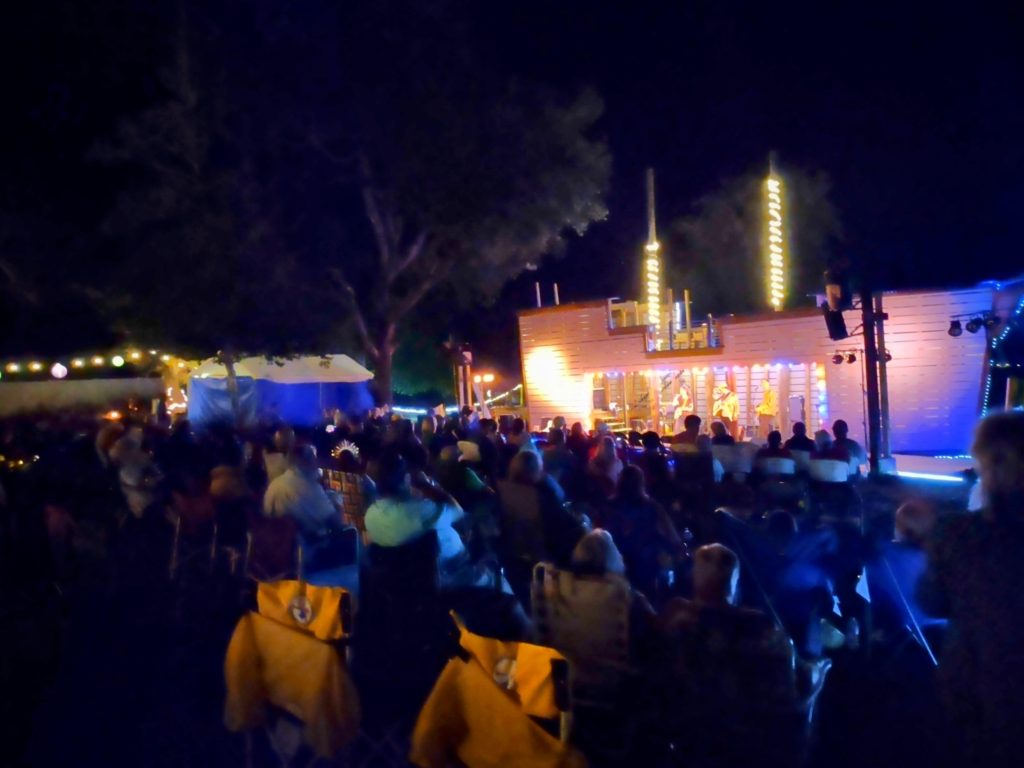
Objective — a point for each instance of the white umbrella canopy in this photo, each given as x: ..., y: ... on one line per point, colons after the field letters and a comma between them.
x: 325, y: 369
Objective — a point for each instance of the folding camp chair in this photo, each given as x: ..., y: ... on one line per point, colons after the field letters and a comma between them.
x: 522, y: 535
x: 353, y: 502
x: 732, y: 690
x: 285, y: 671
x: 488, y: 706
x: 587, y: 618
x: 194, y: 544
x: 272, y: 548
x: 400, y: 645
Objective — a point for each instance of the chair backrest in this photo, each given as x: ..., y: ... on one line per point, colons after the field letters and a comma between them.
x: 775, y: 465
x: 830, y: 471
x: 692, y: 466
x: 802, y: 459
x: 730, y: 659
x: 485, y: 706
x: 587, y: 619
x: 734, y: 458
x: 353, y: 500
x: 401, y: 627
x: 272, y: 549
x: 324, y: 612
x: 521, y: 528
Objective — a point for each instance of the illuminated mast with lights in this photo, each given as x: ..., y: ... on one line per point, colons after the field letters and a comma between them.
x: 652, y: 267
x: 775, y: 243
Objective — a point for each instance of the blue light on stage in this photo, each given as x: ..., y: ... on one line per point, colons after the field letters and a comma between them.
x: 930, y: 476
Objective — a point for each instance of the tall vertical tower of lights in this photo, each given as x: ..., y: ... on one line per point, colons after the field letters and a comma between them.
x: 652, y: 266
x: 774, y: 241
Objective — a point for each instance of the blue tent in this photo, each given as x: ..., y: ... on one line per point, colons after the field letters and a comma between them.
x: 295, y: 391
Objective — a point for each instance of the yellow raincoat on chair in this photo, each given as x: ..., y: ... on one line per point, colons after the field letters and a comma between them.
x: 280, y: 659
x: 479, y: 710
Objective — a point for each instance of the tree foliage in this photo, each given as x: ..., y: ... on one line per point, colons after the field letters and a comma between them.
x: 464, y: 178
x: 202, y: 267
x: 717, y: 251
x: 319, y: 162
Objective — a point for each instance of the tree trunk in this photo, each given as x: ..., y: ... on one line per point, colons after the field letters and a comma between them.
x: 232, y: 383
x: 382, y: 371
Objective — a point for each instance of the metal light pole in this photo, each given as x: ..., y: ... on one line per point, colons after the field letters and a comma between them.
x: 871, y: 375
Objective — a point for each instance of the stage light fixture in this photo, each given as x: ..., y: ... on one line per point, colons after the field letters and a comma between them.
x: 851, y: 358
x: 837, y: 359
x: 991, y: 321
x: 888, y: 356
x: 974, y: 325
x: 955, y: 329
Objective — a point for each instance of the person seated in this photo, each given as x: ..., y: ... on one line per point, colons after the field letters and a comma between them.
x: 656, y: 468
x: 914, y: 523
x: 720, y: 435
x: 561, y: 529
x: 579, y: 443
x: 489, y: 441
x: 690, y: 433
x: 826, y: 450
x: 559, y: 461
x: 519, y: 437
x: 710, y: 627
x: 138, y: 475
x: 227, y: 478
x: 298, y: 494
x: 895, y: 572
x: 428, y: 436
x: 276, y: 461
x: 597, y: 555
x: 407, y: 507
x: 606, y: 466
x: 853, y: 449
x: 712, y: 607
x: 646, y: 536
x: 469, y: 420
x: 800, y: 441
x: 774, y: 449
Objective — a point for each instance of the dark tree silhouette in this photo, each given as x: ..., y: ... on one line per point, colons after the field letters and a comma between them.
x: 716, y: 251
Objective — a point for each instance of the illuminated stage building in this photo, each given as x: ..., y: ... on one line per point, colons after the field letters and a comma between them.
x: 634, y: 366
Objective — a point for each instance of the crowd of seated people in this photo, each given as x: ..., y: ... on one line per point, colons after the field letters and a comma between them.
x: 500, y: 499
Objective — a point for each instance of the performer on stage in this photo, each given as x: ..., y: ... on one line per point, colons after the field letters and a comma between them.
x: 682, y: 407
x: 767, y: 410
x: 726, y: 407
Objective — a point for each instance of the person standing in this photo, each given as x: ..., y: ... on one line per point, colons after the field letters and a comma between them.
x: 974, y: 578
x: 682, y: 408
x: 767, y: 410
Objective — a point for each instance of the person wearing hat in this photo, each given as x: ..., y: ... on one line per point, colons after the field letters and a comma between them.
x: 726, y: 407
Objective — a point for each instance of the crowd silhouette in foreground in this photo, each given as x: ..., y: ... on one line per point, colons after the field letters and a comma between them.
x: 640, y: 600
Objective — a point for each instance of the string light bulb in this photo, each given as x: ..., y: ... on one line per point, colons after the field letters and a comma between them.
x: 774, y: 241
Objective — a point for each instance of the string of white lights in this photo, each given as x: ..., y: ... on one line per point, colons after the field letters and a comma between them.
x: 775, y: 243
x: 58, y: 369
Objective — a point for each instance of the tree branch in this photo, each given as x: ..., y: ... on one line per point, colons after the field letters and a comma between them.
x: 361, y: 325
x: 380, y: 232
x: 373, y: 213
x: 414, y: 297
x: 411, y: 255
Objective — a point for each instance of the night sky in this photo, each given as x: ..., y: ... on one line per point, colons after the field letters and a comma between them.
x: 915, y: 112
